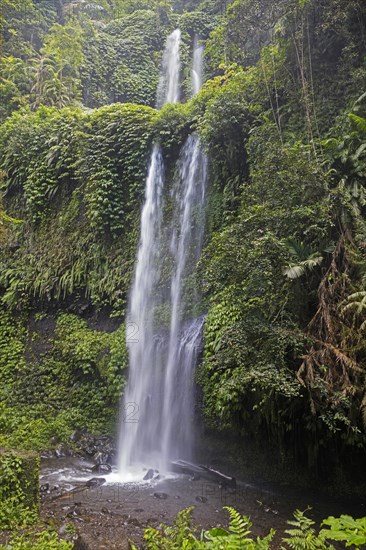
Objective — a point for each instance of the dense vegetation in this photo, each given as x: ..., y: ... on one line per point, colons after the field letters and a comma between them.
x: 302, y: 534
x: 283, y: 118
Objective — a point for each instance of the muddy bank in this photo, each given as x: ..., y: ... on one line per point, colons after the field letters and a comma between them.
x: 108, y: 514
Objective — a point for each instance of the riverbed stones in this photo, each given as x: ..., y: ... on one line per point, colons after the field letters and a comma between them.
x: 88, y: 541
x: 161, y: 496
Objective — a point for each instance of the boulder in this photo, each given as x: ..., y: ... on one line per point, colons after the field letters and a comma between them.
x: 161, y: 496
x: 95, y: 482
x: 149, y: 475
x: 102, y: 468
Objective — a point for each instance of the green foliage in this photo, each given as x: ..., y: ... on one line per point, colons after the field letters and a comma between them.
x: 79, y: 180
x: 56, y: 80
x: 114, y: 165
x: 77, y: 382
x: 106, y: 150
x: 252, y: 345
x: 303, y: 257
x: 172, y: 128
x: 283, y: 271
x: 98, y: 53
x: 238, y: 535
x: 14, y: 511
x: 347, y: 529
x: 44, y: 540
x: 181, y: 535
x: 301, y: 536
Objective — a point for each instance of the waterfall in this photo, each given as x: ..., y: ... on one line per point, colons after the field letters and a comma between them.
x: 140, y: 315
x: 197, y: 67
x: 168, y: 88
x: 189, y: 199
x: 157, y: 414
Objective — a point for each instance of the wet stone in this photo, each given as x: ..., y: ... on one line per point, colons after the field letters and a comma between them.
x: 102, y: 468
x: 95, y: 482
x: 161, y: 496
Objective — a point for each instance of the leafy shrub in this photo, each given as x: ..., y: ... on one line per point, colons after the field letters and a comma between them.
x: 181, y: 535
x: 77, y: 383
x: 14, y: 510
x: 44, y: 540
x: 301, y: 536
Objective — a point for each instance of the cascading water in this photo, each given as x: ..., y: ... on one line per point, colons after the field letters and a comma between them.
x: 141, y: 393
x: 159, y: 398
x: 197, y: 67
x: 168, y: 88
x: 141, y: 307
x: 189, y: 200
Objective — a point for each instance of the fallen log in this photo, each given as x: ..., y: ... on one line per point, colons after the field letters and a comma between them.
x: 206, y: 472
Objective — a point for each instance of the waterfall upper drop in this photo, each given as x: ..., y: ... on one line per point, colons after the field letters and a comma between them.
x: 168, y: 89
x: 156, y: 423
x: 197, y: 67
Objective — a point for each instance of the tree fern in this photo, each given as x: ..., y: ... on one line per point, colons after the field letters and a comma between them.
x: 304, y: 259
x: 358, y: 121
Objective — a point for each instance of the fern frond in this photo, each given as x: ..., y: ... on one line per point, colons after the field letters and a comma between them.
x: 303, y: 536
x: 239, y: 525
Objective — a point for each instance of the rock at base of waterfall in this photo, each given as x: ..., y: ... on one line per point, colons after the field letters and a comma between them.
x: 102, y: 468
x: 161, y: 496
x: 101, y: 458
x: 95, y: 482
x: 62, y: 451
x: 149, y: 475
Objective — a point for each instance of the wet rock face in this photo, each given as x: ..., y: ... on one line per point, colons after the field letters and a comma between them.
x: 102, y: 468
x: 102, y: 449
x: 62, y: 451
x: 76, y: 436
x: 101, y: 458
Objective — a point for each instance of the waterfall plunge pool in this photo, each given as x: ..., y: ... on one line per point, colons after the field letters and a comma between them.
x: 108, y: 515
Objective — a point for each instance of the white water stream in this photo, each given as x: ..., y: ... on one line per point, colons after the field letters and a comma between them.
x: 158, y: 408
